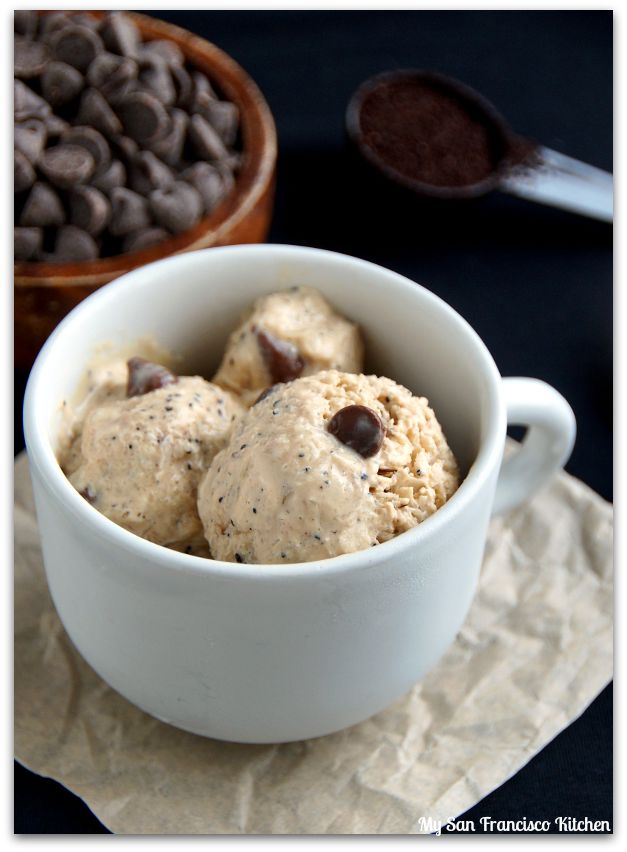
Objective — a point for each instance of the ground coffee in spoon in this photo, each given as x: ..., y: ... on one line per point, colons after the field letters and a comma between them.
x: 428, y: 134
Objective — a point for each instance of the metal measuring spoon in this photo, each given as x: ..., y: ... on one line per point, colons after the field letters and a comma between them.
x: 520, y: 168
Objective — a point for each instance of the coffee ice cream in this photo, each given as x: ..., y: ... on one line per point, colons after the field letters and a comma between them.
x: 325, y: 465
x: 146, y: 438
x: 285, y: 335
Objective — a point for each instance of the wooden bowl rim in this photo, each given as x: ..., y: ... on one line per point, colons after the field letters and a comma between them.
x: 253, y: 180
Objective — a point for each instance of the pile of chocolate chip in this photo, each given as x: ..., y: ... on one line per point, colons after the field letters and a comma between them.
x: 118, y: 144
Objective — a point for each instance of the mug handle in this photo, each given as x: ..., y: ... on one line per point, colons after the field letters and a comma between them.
x: 546, y: 446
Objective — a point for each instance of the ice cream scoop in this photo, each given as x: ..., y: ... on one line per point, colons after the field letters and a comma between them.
x: 324, y: 465
x: 146, y: 439
x: 440, y: 138
x: 285, y: 335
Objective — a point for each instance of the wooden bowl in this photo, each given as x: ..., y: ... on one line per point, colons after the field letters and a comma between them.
x: 46, y: 292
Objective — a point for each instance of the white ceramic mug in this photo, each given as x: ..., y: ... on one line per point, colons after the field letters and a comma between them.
x: 270, y: 653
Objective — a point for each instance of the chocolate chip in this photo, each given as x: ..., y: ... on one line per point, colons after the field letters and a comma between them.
x: 77, y: 45
x: 144, y: 117
x: 226, y: 173
x: 87, y: 494
x: 282, y: 358
x: 167, y: 51
x: 144, y: 238
x: 201, y: 85
x: 61, y: 83
x: 30, y: 138
x: 129, y: 212
x: 114, y: 175
x: 149, y: 173
x: 127, y: 148
x: 55, y: 126
x: 74, y: 244
x: 86, y: 20
x: 42, y: 208
x: 29, y: 58
x: 114, y: 76
x: 27, y: 104
x: 128, y: 105
x: 177, y: 208
x: 205, y: 140
x: 93, y: 141
x: 223, y: 116
x: 359, y: 428
x: 145, y: 376
x: 23, y: 172
x: 264, y: 393
x: 25, y: 22
x: 89, y: 209
x: 120, y: 35
x: 96, y: 112
x: 155, y: 77
x: 170, y: 147
x: 209, y: 183
x: 49, y: 24
x: 27, y: 243
x: 67, y: 165
x: 183, y: 86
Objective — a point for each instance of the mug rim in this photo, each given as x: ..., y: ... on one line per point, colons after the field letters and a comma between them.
x: 43, y: 458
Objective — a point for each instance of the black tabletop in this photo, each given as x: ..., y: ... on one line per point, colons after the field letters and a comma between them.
x: 536, y: 283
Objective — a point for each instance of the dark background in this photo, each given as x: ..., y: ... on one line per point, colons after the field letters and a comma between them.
x: 535, y: 283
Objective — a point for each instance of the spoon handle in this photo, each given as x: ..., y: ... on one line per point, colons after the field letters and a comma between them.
x: 560, y: 181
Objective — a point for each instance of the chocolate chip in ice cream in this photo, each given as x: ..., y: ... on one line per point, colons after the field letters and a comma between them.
x: 145, y: 376
x: 359, y: 428
x: 283, y: 360
x: 87, y: 494
x: 266, y: 392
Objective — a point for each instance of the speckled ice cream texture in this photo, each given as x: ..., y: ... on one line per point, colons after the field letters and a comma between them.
x: 300, y: 316
x: 142, y: 457
x: 284, y: 489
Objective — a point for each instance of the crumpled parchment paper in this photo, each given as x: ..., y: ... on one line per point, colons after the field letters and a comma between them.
x: 535, y: 650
